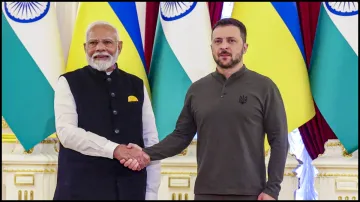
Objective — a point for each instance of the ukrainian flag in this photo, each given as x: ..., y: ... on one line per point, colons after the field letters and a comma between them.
x: 276, y: 50
x: 123, y: 16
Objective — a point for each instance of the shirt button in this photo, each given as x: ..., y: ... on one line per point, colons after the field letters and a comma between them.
x: 222, y: 96
x: 112, y: 94
x: 108, y: 79
x: 116, y: 131
x: 114, y: 112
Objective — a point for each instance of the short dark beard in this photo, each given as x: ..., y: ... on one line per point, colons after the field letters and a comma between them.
x: 231, y: 64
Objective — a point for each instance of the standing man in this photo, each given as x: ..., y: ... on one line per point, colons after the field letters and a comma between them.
x: 99, y: 109
x: 231, y: 109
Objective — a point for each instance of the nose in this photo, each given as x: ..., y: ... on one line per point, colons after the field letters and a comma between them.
x: 100, y: 47
x: 224, y: 46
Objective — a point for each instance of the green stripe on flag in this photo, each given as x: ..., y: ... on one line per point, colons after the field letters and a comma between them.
x: 169, y: 84
x: 334, y: 81
x: 27, y: 96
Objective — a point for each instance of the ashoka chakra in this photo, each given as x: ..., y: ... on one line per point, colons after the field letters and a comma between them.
x: 343, y: 8
x: 25, y: 12
x: 175, y: 10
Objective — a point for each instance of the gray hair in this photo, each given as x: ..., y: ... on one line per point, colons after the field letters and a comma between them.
x: 101, y: 23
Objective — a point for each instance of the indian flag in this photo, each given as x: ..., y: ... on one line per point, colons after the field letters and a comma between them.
x: 181, y: 56
x: 334, y: 70
x: 32, y: 62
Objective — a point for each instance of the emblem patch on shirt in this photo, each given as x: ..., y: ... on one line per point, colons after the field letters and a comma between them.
x: 132, y: 98
x: 243, y: 99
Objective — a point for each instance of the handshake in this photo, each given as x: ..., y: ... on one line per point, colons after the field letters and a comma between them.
x: 131, y: 156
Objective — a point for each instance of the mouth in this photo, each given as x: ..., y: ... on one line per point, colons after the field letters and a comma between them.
x: 101, y: 57
x: 224, y: 56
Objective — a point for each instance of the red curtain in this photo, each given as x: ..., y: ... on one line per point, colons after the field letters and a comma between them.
x: 215, y: 10
x: 152, y: 11
x: 316, y: 131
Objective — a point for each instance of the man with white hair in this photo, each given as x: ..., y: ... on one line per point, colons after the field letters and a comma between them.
x: 96, y: 119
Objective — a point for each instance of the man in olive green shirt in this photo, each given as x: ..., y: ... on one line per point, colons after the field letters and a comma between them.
x: 231, y: 109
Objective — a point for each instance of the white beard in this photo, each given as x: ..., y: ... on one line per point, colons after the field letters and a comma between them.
x: 102, y: 65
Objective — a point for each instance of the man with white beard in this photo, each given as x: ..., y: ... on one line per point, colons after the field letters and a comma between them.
x: 99, y: 109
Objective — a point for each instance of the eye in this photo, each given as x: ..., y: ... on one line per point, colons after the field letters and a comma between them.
x: 92, y: 43
x: 107, y: 42
x: 217, y: 41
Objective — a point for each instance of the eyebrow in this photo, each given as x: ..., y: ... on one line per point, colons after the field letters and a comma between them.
x: 230, y: 37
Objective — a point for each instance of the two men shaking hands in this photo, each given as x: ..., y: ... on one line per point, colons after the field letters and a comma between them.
x: 131, y: 156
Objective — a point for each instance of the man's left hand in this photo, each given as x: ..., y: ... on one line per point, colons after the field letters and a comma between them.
x: 264, y: 196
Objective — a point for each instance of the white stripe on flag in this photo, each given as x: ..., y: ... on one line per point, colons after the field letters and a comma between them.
x: 141, y: 11
x: 190, y: 38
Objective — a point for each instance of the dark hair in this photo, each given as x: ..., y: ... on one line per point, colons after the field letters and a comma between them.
x: 234, y: 22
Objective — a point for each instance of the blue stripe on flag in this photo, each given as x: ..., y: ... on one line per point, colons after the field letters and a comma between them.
x: 127, y: 14
x: 289, y: 14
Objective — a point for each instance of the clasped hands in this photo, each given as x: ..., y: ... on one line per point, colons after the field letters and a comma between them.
x: 131, y: 156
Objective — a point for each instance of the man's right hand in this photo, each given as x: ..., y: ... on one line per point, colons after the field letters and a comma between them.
x: 121, y: 152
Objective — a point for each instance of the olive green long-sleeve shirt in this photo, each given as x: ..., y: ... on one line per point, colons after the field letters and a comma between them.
x: 231, y: 117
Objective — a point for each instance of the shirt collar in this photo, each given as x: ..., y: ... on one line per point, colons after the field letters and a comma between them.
x: 104, y: 74
x: 217, y: 75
